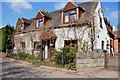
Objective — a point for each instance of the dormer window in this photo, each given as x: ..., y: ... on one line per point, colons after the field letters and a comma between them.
x: 21, y: 27
x: 39, y: 22
x: 66, y: 17
x: 70, y: 16
x: 73, y: 15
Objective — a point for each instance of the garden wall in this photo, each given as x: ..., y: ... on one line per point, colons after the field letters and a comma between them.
x: 89, y: 60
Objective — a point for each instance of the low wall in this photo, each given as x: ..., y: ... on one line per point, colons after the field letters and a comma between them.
x: 89, y: 60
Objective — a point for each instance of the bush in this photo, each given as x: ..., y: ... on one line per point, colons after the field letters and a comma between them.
x: 13, y: 55
x: 20, y: 55
x: 66, y: 57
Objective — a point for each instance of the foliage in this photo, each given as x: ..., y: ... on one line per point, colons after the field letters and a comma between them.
x: 20, y: 55
x: 6, y: 37
x: 84, y: 46
x: 66, y: 57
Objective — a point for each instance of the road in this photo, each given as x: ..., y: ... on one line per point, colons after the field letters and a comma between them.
x: 12, y: 69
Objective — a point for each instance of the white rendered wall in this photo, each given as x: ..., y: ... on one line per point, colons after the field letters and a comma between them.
x: 70, y: 34
x: 103, y: 33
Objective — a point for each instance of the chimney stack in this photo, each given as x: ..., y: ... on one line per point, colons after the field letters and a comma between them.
x: 73, y: 1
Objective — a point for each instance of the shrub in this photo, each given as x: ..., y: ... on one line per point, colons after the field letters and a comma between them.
x: 66, y: 57
x: 29, y: 56
x: 20, y: 55
x: 13, y: 55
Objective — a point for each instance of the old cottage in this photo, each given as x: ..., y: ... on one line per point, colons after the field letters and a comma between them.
x: 73, y: 25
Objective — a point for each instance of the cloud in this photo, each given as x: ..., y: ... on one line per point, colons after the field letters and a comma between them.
x: 60, y: 5
x: 19, y: 5
x: 114, y: 14
x: 115, y: 28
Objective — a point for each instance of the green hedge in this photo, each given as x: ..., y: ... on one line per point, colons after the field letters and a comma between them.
x: 65, y: 57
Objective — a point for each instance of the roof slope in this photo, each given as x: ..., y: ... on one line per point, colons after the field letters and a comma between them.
x: 28, y: 21
x: 55, y: 16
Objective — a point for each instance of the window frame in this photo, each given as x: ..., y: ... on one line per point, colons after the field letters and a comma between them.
x: 22, y: 45
x: 69, y: 15
x: 70, y: 43
x: 39, y: 21
x: 66, y: 16
x: 72, y: 14
x: 37, y: 45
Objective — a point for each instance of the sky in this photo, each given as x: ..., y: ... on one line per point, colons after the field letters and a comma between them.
x: 10, y: 11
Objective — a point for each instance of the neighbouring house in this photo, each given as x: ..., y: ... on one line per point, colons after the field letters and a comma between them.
x: 117, y: 41
x: 111, y: 35
x: 114, y: 38
x: 73, y: 25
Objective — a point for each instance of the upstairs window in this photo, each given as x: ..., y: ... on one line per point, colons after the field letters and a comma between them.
x: 21, y: 26
x: 100, y: 19
x: 73, y: 15
x: 101, y: 22
x: 66, y: 17
x: 39, y: 22
x: 70, y: 16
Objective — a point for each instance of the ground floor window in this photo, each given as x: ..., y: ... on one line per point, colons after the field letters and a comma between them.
x: 37, y: 45
x: 71, y: 43
x: 22, y: 45
x: 102, y: 45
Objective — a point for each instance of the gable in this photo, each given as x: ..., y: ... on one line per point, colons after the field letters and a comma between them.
x: 20, y: 20
x: 39, y: 14
x: 69, y: 6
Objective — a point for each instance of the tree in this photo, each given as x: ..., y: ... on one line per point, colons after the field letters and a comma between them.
x: 7, y: 37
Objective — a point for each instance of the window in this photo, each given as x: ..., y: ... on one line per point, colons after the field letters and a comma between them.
x: 21, y: 27
x: 100, y: 19
x: 72, y: 15
x: 37, y: 45
x: 70, y: 43
x: 102, y: 45
x: 39, y: 22
x: 107, y: 46
x: 101, y: 22
x: 66, y: 18
x: 22, y: 45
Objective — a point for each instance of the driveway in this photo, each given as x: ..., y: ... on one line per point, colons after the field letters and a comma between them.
x: 12, y: 69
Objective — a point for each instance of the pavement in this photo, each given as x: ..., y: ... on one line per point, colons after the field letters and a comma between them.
x: 14, y: 69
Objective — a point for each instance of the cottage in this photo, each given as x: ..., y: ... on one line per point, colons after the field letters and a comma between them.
x: 73, y: 25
